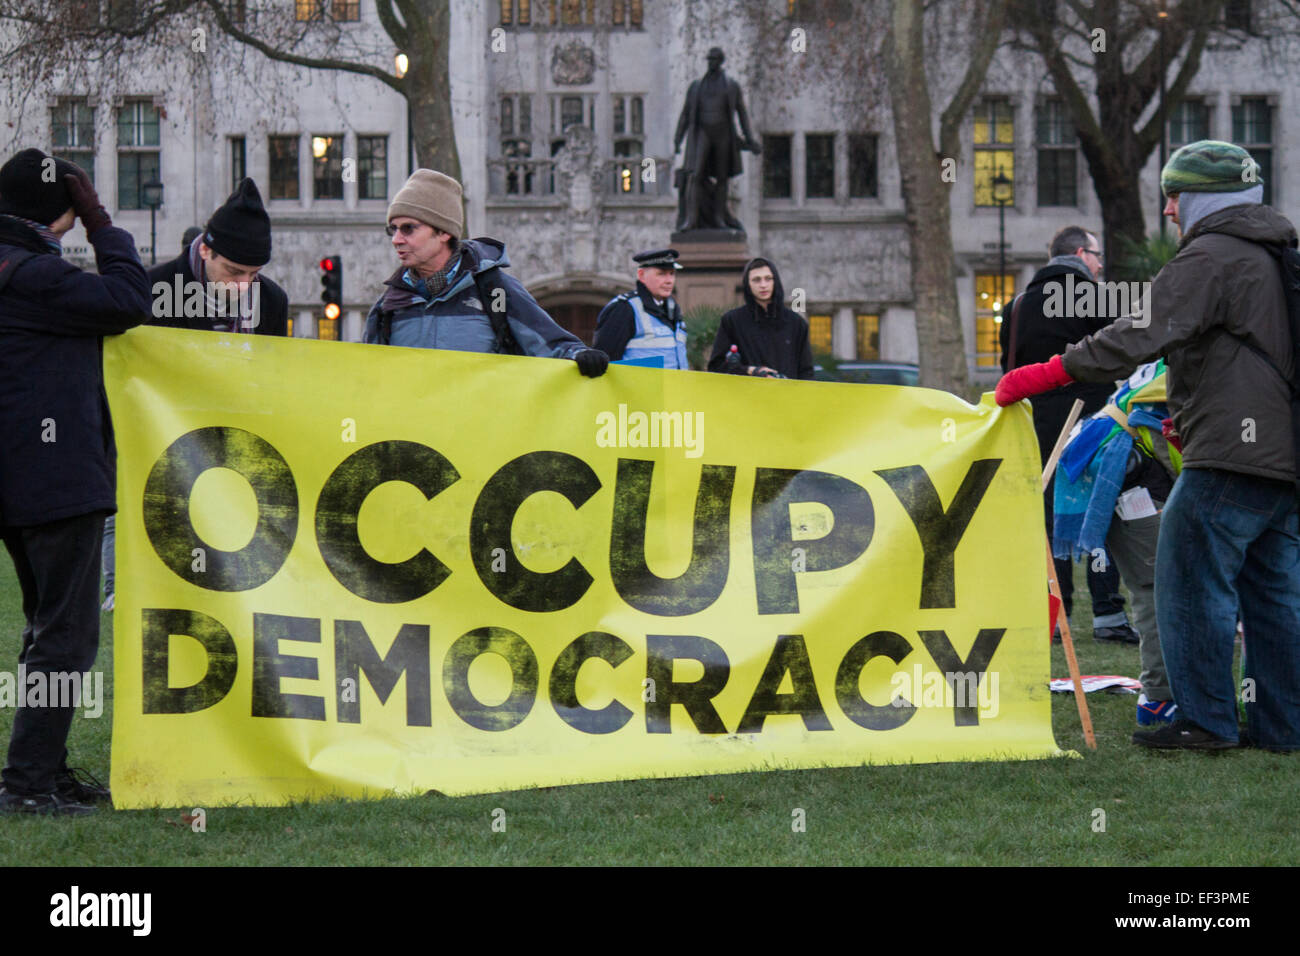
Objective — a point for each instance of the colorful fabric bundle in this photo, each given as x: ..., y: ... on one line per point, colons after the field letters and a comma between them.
x: 1093, y: 466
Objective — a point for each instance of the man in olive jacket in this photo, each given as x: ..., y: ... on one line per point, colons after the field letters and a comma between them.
x: 56, y: 451
x: 1229, y: 533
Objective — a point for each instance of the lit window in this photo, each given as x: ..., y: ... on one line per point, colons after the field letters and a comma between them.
x: 990, y: 297
x: 994, y: 149
x: 819, y: 333
x: 327, y: 167
x: 515, y: 11
x: 868, y: 337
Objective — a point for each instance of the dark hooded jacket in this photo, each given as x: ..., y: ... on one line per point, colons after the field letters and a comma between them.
x: 776, y: 336
x: 56, y: 438
x: 1040, y: 336
x: 1220, y: 292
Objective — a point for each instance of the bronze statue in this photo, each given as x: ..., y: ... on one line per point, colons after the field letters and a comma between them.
x: 712, y: 148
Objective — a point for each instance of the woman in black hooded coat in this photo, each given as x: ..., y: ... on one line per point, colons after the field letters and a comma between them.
x: 770, y: 338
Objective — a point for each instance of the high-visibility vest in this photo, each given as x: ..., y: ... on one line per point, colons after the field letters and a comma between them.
x: 654, y: 337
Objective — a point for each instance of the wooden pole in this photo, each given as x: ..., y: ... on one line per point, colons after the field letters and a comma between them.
x: 1054, y: 586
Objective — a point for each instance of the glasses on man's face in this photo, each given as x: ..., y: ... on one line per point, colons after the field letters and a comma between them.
x: 1096, y: 253
x: 406, y: 228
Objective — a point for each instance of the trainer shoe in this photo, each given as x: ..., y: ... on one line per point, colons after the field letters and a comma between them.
x: 42, y: 803
x: 80, y: 786
x: 1124, y: 634
x: 109, y: 602
x: 1181, y: 734
x: 1155, y: 711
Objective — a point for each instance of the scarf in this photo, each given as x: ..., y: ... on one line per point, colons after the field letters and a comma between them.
x: 434, y: 285
x: 50, y: 239
x: 1193, y: 206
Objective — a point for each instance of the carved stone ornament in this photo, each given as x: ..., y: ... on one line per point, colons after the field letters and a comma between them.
x: 573, y: 65
x: 578, y: 170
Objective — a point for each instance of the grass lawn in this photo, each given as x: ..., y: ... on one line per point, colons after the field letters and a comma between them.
x: 1164, y: 810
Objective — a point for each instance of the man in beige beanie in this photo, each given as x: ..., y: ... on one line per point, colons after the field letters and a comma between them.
x: 451, y: 293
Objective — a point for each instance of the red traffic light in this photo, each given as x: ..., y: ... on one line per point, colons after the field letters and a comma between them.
x: 327, y: 264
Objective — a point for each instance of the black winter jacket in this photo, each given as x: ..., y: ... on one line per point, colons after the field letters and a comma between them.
x: 272, y: 302
x: 1039, y: 337
x: 57, y: 456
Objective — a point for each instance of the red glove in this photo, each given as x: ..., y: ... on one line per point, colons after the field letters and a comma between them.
x: 1032, y: 380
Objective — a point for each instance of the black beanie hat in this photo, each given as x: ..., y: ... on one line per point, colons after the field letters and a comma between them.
x: 241, y: 230
x: 26, y: 190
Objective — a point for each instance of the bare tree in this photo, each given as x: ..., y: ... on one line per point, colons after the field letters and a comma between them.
x: 1112, y: 48
x: 922, y: 167
x: 46, y: 38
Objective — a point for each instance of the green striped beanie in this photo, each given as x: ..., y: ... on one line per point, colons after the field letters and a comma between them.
x: 1209, y: 166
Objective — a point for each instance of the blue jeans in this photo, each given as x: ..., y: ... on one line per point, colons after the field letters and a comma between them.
x: 108, y: 560
x: 1231, y: 542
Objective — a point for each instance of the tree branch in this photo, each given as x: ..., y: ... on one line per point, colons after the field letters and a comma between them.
x: 982, y: 50
x: 1076, y: 101
x: 317, y: 63
x: 388, y: 19
x: 1150, y: 134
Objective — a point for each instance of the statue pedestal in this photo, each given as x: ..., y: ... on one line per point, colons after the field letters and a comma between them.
x: 712, y: 260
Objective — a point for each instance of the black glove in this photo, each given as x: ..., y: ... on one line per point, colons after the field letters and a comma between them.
x: 591, y: 362
x: 85, y: 202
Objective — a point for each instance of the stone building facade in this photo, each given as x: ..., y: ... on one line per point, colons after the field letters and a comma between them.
x: 565, y: 117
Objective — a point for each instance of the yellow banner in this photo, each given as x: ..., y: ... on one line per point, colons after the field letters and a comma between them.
x: 356, y: 570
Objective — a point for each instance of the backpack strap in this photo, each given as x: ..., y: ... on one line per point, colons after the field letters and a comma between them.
x: 1015, y: 322
x: 9, y: 265
x: 489, y: 283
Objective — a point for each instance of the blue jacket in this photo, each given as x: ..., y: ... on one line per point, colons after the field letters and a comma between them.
x: 57, y: 455
x: 457, y: 318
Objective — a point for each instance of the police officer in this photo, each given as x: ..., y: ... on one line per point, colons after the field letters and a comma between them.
x: 647, y: 322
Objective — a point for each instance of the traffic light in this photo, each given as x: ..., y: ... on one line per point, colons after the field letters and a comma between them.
x: 331, y: 282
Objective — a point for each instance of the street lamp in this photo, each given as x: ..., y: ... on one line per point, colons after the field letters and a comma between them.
x: 1003, y: 193
x: 152, y: 194
x: 402, y: 63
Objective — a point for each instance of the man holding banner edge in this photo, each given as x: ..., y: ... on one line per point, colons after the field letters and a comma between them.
x: 1230, y: 534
